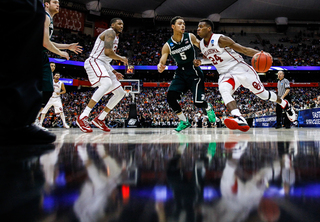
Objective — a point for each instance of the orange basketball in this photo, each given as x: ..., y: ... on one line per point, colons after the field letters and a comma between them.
x: 261, y: 62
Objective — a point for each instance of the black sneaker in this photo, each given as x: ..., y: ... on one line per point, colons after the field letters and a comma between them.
x: 30, y: 134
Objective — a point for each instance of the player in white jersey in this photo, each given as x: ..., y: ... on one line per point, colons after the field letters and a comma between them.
x: 102, y: 75
x: 55, y: 101
x: 222, y: 51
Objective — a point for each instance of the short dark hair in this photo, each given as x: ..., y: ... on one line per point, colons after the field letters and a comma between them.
x: 48, y: 1
x: 114, y: 20
x: 174, y: 19
x: 208, y: 23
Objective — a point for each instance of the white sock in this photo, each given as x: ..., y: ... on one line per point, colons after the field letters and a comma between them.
x: 102, y: 115
x: 235, y: 112
x: 182, y: 117
x: 85, y: 112
x: 283, y: 103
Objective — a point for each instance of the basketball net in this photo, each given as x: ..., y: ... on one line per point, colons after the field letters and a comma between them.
x: 127, y: 91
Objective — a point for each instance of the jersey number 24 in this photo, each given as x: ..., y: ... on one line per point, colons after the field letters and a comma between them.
x: 216, y: 59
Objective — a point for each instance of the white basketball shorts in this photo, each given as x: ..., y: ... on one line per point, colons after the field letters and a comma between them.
x: 245, y: 75
x: 53, y: 101
x: 97, y: 69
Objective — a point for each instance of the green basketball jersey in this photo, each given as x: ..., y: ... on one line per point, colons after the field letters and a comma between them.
x: 50, y: 26
x: 50, y: 29
x: 182, y: 52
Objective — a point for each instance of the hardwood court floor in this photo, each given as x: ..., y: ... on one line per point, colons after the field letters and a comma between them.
x: 156, y: 174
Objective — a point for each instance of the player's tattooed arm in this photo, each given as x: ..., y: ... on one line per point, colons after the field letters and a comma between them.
x: 109, y: 38
x: 108, y: 47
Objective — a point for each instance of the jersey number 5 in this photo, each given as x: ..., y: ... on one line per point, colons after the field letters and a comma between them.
x: 216, y: 59
x: 183, y: 56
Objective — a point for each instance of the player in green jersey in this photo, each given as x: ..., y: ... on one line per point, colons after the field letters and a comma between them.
x: 188, y: 75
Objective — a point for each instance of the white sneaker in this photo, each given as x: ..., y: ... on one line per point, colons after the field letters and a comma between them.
x: 66, y: 126
x: 37, y: 123
x: 291, y: 114
x: 237, y: 122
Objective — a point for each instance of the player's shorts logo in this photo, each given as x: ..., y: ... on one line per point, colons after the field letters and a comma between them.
x: 256, y: 85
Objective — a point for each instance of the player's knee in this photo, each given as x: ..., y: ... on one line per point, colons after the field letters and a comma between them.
x: 119, y: 93
x: 225, y: 90
x: 172, y: 98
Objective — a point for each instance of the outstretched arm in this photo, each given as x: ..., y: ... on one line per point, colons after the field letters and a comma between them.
x: 225, y: 41
x: 108, y: 47
x: 75, y: 47
x: 164, y: 55
x: 48, y: 44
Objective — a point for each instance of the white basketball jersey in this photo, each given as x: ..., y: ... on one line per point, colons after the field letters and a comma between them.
x: 222, y: 58
x: 98, y: 49
x: 56, y: 89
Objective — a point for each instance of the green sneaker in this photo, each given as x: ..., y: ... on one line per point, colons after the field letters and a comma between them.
x: 211, y: 114
x: 183, y: 125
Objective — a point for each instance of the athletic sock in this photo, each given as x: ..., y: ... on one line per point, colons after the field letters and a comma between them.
x: 235, y: 112
x: 283, y: 103
x: 102, y: 115
x: 182, y: 117
x: 85, y: 112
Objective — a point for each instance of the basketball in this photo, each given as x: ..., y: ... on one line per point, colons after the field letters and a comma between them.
x: 261, y: 62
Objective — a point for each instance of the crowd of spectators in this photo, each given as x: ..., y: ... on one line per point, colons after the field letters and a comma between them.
x: 153, y: 109
x: 144, y: 47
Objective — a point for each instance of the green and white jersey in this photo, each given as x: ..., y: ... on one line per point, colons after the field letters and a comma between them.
x: 50, y: 26
x: 182, y: 52
x: 50, y: 29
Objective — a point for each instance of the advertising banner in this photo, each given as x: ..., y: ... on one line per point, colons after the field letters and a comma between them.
x: 309, y: 118
x: 264, y: 121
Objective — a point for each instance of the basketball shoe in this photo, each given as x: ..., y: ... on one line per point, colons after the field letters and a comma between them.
x: 183, y: 125
x: 37, y: 123
x: 291, y: 114
x: 66, y: 126
x: 100, y: 124
x: 84, y: 124
x: 237, y: 122
x: 211, y: 114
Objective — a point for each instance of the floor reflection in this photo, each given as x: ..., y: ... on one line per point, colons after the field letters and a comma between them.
x: 237, y: 180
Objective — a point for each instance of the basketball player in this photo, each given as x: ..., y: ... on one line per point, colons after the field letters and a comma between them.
x: 102, y: 75
x: 222, y: 51
x: 55, y: 101
x: 187, y: 75
x: 20, y: 84
x: 52, y: 8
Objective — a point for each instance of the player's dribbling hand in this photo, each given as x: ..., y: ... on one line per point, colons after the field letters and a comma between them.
x: 269, y: 55
x: 118, y: 75
x: 124, y: 60
x: 161, y: 67
x: 197, y: 62
x: 65, y: 55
